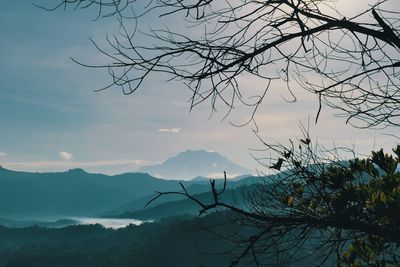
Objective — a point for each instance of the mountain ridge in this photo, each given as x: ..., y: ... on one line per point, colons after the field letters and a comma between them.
x: 189, y: 164
x: 73, y: 192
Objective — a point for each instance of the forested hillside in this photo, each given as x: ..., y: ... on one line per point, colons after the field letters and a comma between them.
x: 178, y: 241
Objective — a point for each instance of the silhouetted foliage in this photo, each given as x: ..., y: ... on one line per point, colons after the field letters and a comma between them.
x: 334, y: 209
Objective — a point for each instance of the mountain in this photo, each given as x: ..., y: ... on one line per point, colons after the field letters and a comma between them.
x: 173, y: 204
x: 192, y: 163
x: 193, y: 187
x: 180, y: 207
x: 72, y: 193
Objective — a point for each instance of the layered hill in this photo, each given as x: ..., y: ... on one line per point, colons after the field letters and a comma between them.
x: 71, y: 193
x: 28, y: 195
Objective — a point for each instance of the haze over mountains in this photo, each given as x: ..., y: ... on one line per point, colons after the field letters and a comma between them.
x: 192, y: 163
x: 26, y: 195
x: 40, y: 215
x: 71, y: 193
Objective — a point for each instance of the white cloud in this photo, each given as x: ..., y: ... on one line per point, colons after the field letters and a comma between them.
x: 66, y: 156
x: 172, y: 130
x: 2, y: 154
x: 220, y: 175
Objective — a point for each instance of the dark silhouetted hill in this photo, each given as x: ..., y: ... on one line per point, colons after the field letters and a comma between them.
x: 71, y: 193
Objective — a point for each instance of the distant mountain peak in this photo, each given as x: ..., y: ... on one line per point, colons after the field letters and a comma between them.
x: 195, y: 162
x: 77, y: 171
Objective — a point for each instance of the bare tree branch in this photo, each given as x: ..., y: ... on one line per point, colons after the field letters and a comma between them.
x: 353, y: 61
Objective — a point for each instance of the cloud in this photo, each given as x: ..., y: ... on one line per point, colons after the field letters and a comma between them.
x: 172, y: 130
x: 66, y: 156
x: 2, y: 154
x: 220, y: 175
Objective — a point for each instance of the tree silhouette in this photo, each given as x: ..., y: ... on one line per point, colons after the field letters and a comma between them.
x: 349, y: 63
x: 348, y: 210
x: 337, y: 210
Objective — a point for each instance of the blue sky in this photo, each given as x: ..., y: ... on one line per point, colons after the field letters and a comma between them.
x: 51, y: 118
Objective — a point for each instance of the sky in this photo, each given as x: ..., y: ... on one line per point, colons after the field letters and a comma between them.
x: 52, y: 119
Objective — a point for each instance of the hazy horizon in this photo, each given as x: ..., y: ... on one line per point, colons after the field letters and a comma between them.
x: 142, y: 169
x: 55, y: 121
